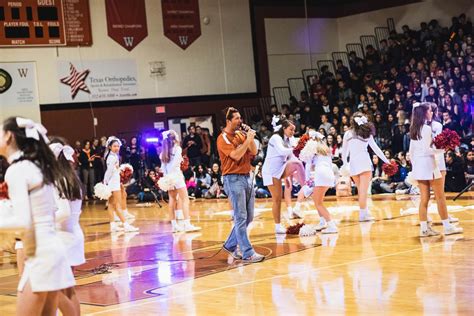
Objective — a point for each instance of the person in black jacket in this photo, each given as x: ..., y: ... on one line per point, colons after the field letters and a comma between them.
x: 455, y: 179
x: 192, y: 145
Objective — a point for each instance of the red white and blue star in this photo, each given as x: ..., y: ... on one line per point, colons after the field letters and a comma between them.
x: 76, y: 80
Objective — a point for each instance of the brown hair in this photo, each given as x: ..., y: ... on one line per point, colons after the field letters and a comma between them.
x: 229, y: 113
x: 168, y: 145
x: 418, y: 118
x: 365, y: 130
x: 284, y: 122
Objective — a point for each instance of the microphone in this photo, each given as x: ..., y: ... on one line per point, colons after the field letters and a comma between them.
x: 245, y: 128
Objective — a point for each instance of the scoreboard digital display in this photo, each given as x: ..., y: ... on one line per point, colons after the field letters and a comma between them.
x: 32, y: 23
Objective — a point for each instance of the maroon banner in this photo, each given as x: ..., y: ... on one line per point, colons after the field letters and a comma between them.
x: 126, y: 22
x: 78, y: 22
x: 181, y: 22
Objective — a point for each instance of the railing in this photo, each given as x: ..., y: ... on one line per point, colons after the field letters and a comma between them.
x: 296, y: 86
x: 282, y: 96
x: 341, y: 56
x: 357, y: 48
x: 368, y: 40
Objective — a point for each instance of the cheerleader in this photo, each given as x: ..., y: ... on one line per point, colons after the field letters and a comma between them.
x: 437, y: 128
x: 31, y: 178
x: 67, y: 220
x: 280, y: 163
x: 171, y: 158
x: 324, y: 178
x: 426, y: 170
x: 354, y: 145
x: 112, y: 180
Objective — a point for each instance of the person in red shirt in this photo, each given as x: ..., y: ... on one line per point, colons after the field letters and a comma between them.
x: 236, y: 150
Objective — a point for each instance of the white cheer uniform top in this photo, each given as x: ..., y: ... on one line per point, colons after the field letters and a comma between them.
x: 33, y: 208
x: 422, y: 156
x: 355, y: 147
x: 437, y: 128
x: 279, y: 152
x: 173, y: 167
x: 323, y: 172
x: 112, y: 174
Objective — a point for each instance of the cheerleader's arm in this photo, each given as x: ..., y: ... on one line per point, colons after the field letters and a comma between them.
x: 377, y: 149
x: 109, y: 172
x: 177, y: 159
x: 63, y: 208
x: 345, y: 148
x: 20, y: 219
x: 427, y: 137
x: 277, y: 144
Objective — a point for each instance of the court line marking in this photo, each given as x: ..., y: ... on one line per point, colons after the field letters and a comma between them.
x: 154, y: 300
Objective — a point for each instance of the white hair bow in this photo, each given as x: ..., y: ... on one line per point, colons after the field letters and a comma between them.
x: 67, y: 151
x: 111, y: 139
x: 416, y: 104
x: 166, y: 134
x: 315, y: 134
x: 361, y: 120
x: 32, y: 129
x: 275, y: 121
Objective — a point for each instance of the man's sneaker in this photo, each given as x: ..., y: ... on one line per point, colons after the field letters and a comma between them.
x: 256, y: 257
x: 452, y: 229
x: 235, y: 254
x: 188, y: 227
x: 453, y: 219
x: 366, y: 217
x: 129, y: 228
x: 330, y: 230
x: 429, y: 232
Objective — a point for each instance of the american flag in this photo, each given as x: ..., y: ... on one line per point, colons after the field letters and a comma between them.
x: 76, y: 80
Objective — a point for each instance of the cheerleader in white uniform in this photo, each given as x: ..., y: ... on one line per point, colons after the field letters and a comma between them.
x: 280, y: 163
x: 426, y: 171
x: 324, y: 179
x: 31, y: 178
x: 354, y: 145
x: 112, y: 180
x: 171, y: 158
x: 437, y: 128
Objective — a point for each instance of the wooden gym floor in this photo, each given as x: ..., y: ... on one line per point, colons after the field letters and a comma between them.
x: 368, y: 268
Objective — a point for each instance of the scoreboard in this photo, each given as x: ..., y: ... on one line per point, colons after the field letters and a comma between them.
x: 44, y: 23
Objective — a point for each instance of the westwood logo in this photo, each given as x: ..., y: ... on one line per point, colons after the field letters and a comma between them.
x: 76, y: 80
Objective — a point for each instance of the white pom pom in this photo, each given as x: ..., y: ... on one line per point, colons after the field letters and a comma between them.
x: 168, y: 182
x: 309, y: 150
x: 410, y: 179
x: 345, y: 171
x: 308, y: 230
x: 102, y: 191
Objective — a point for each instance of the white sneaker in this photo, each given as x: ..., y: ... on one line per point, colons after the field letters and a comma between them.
x: 330, y: 230
x: 116, y: 218
x: 429, y: 219
x: 320, y: 227
x: 115, y: 227
x: 128, y: 215
x: 297, y: 213
x: 400, y: 192
x: 366, y: 217
x: 452, y: 229
x: 453, y: 219
x: 188, y: 227
x: 279, y: 229
x: 429, y: 232
x: 129, y: 228
x: 176, y: 228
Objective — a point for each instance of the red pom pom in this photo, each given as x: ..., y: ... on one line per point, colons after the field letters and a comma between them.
x: 390, y: 169
x: 4, y: 191
x: 294, y: 229
x: 126, y: 175
x: 185, y: 163
x: 447, y: 140
x: 301, y: 143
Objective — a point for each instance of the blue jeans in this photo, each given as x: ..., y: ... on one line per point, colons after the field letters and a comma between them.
x: 240, y: 191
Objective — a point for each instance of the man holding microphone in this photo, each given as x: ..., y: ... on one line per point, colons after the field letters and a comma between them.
x: 236, y: 150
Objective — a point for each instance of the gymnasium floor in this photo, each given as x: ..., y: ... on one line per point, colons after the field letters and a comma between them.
x: 368, y: 268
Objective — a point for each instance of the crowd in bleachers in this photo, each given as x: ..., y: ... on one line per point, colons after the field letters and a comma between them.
x: 433, y: 63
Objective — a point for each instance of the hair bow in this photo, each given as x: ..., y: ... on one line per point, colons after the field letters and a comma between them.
x: 32, y: 129
x: 275, y: 121
x: 361, y: 120
x: 113, y: 138
x: 166, y: 134
x: 315, y: 134
x: 416, y: 104
x: 67, y: 151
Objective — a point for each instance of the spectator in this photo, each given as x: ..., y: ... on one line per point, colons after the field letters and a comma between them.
x: 325, y: 124
x: 192, y: 145
x: 86, y: 160
x: 455, y: 179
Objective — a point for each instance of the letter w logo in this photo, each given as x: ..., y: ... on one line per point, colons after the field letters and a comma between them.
x: 128, y: 41
x: 183, y: 40
x: 23, y: 72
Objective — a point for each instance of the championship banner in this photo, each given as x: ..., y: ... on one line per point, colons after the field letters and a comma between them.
x: 18, y: 90
x: 97, y: 80
x: 78, y: 22
x: 181, y: 21
x: 126, y: 22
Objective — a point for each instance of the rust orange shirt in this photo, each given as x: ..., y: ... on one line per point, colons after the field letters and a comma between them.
x: 226, y: 143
